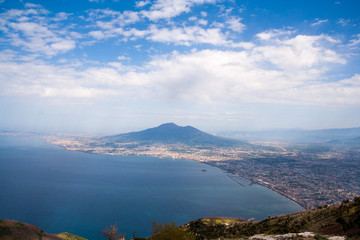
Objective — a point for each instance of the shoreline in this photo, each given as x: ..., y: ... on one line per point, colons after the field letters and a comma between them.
x: 230, y: 175
x: 274, y: 190
x: 195, y: 160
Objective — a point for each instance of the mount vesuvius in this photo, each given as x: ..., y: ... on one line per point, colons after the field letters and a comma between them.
x: 170, y: 133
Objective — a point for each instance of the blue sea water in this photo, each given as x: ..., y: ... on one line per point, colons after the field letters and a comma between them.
x: 68, y: 191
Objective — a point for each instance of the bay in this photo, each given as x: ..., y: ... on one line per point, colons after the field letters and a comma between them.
x: 68, y: 191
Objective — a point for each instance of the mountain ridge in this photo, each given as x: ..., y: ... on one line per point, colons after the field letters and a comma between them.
x: 170, y: 133
x: 296, y: 135
x: 339, y: 219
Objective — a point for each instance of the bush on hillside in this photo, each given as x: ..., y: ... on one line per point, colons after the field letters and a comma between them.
x: 169, y: 231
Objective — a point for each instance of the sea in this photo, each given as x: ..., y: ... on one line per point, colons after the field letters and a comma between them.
x: 81, y: 193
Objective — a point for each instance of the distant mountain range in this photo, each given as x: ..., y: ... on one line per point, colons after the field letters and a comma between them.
x: 170, y: 133
x: 347, y: 141
x: 333, y: 136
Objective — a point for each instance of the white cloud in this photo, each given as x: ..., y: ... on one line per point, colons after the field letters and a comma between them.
x: 44, y: 80
x: 343, y: 22
x: 133, y: 33
x: 245, y: 45
x: 274, y: 33
x: 280, y: 66
x: 140, y: 4
x: 7, y: 55
x: 202, y: 22
x: 187, y: 35
x: 121, y: 58
x: 97, y: 34
x: 61, y: 16
x: 319, y: 21
x: 121, y: 67
x: 166, y: 9
x: 32, y: 5
x: 78, y: 92
x: 118, y: 19
x: 30, y: 30
x: 112, y: 24
x: 234, y: 23
x: 206, y: 77
x: 356, y: 41
x: 193, y: 18
x: 75, y: 35
x: 343, y: 92
x: 295, y: 53
x: 213, y: 76
x: 34, y: 37
x: 36, y: 10
x: 63, y: 45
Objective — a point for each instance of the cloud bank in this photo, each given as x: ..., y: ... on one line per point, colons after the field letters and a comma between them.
x: 176, y: 52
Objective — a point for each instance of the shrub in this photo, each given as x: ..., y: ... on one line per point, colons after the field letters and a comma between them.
x: 4, y: 230
x: 112, y: 233
x: 320, y: 237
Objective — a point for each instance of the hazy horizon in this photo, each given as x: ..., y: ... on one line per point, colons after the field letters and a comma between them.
x: 109, y: 66
x: 225, y: 133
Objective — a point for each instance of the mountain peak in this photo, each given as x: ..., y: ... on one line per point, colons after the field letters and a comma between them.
x: 170, y: 133
x: 168, y: 125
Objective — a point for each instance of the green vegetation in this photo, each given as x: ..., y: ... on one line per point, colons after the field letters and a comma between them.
x: 69, y: 236
x: 170, y: 231
x: 341, y: 219
x: 40, y: 234
x: 19, y: 225
x: 320, y: 237
x: 4, y: 229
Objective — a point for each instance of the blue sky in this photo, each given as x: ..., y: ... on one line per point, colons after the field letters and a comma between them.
x: 107, y: 66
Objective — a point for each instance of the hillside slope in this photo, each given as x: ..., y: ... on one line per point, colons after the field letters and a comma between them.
x: 341, y: 220
x: 10, y: 229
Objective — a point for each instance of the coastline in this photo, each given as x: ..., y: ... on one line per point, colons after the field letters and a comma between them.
x: 233, y: 177
x: 196, y: 160
x: 272, y: 189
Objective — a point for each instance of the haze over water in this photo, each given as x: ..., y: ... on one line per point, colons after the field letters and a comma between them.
x: 81, y: 193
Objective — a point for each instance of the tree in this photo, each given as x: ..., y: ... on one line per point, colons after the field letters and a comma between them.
x: 112, y: 233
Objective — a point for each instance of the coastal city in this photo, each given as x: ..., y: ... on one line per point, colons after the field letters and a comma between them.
x: 312, y: 177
